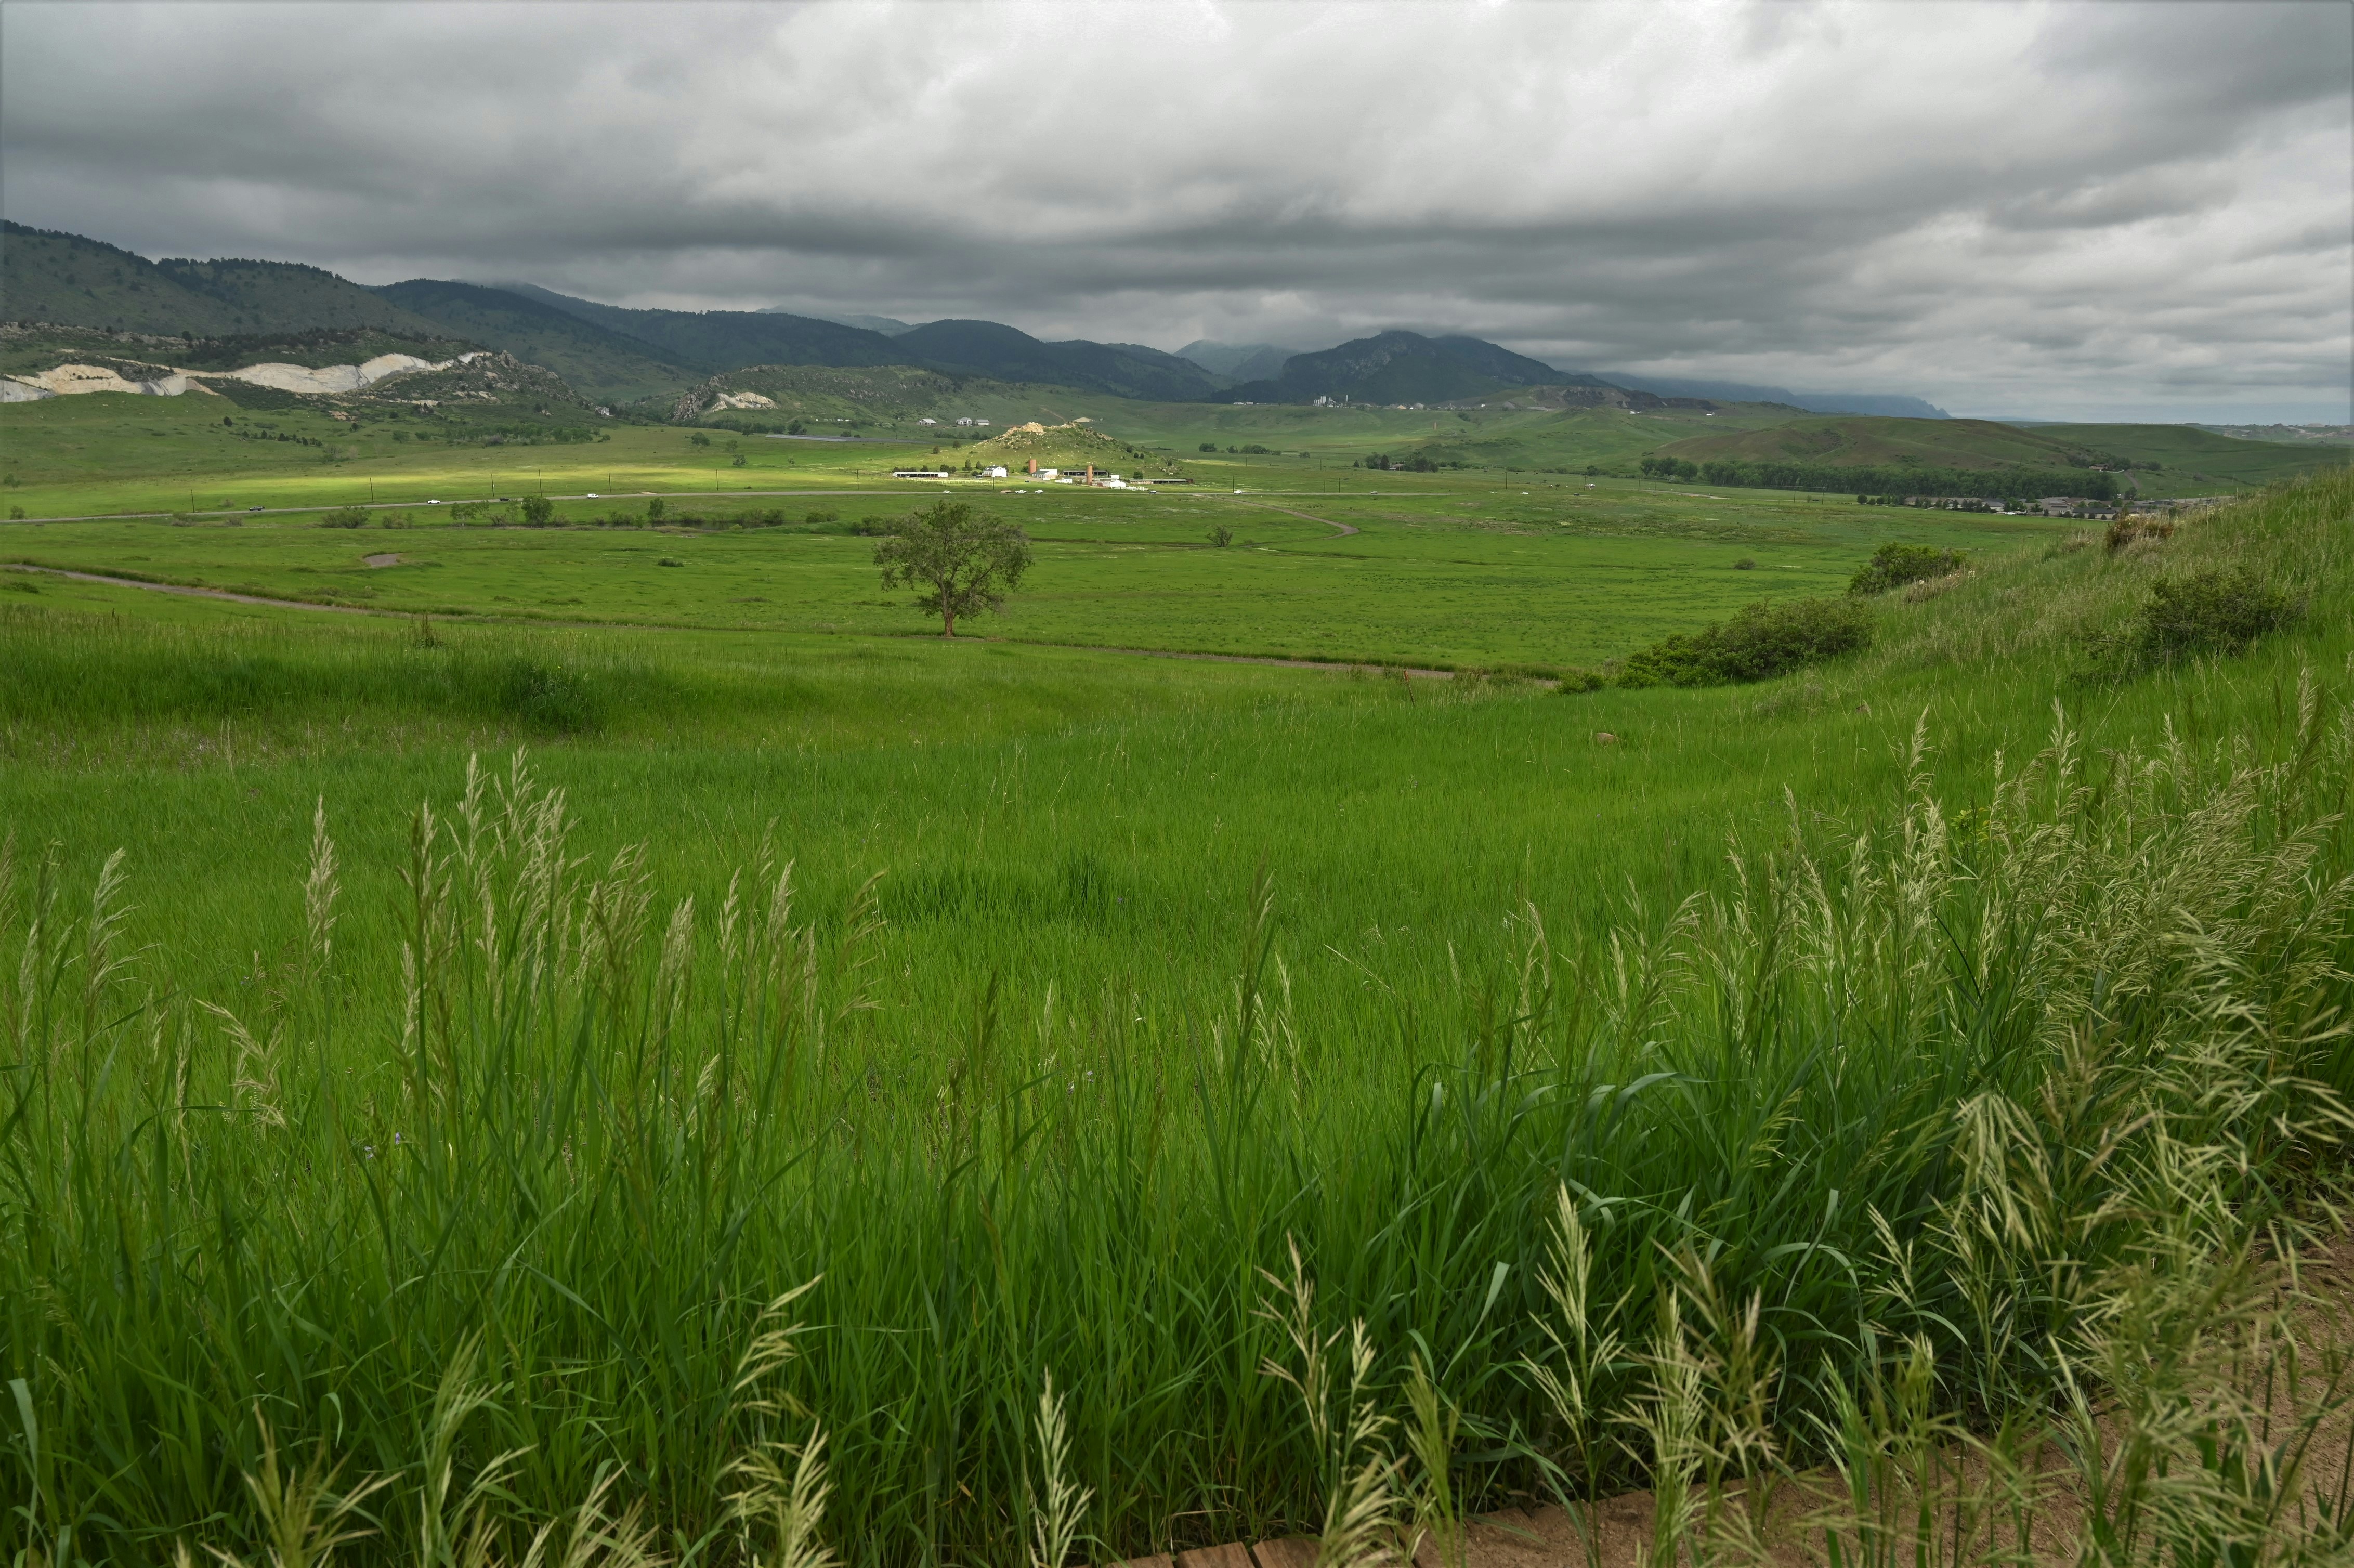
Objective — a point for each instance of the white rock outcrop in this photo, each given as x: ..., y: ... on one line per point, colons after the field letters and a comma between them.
x: 334, y: 378
x: 65, y: 380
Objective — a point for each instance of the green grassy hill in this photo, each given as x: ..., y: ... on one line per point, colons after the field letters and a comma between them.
x: 2199, y: 462
x: 2166, y: 459
x: 1864, y: 440
x: 1069, y: 448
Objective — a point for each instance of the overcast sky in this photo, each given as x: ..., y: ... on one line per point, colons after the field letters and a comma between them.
x: 2103, y: 209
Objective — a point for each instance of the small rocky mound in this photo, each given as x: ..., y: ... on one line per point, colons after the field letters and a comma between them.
x: 1067, y: 447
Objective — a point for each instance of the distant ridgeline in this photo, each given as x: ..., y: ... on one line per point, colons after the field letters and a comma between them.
x: 663, y: 361
x: 1982, y: 484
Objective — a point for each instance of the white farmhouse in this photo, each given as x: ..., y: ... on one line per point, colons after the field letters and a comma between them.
x: 996, y: 471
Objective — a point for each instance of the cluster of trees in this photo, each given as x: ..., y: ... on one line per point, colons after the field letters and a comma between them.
x: 1420, y: 462
x: 268, y: 435
x: 1908, y: 479
x: 523, y: 435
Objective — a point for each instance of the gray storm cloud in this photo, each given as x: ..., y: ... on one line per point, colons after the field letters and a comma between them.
x: 2078, y: 207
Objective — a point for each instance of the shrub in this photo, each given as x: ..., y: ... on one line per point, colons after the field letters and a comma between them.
x: 2210, y: 612
x: 2128, y: 529
x: 1744, y: 564
x: 1762, y: 641
x: 1209, y: 446
x: 538, y: 511
x: 1894, y: 566
x: 547, y: 697
x: 345, y: 517
x: 667, y: 561
x: 1221, y: 535
x: 1576, y: 680
x: 819, y: 519
x: 654, y: 510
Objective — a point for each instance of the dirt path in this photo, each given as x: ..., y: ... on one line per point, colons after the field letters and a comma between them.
x: 1415, y: 671
x: 186, y: 590
x: 1346, y: 528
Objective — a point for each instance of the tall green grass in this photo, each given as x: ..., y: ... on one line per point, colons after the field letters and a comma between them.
x: 495, y: 1202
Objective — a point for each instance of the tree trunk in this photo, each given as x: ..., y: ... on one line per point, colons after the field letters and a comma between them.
x: 947, y: 622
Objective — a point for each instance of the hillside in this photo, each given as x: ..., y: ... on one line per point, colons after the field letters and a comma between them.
x: 1897, y: 405
x: 729, y: 340
x: 1237, y: 360
x: 599, y: 363
x: 1007, y: 354
x: 1859, y: 441
x: 2163, y: 459
x: 884, y: 396
x: 2195, y: 457
x: 1400, y: 367
x: 70, y: 280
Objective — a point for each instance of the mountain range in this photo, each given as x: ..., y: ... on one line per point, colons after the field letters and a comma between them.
x: 616, y: 353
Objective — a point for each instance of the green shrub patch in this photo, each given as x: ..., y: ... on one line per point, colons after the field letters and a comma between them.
x: 1894, y: 566
x: 1761, y: 641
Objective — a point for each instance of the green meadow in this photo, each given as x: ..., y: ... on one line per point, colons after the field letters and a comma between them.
x: 506, y: 998
x: 1470, y: 568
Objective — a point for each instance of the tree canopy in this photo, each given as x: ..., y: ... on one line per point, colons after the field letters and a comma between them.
x: 961, y: 563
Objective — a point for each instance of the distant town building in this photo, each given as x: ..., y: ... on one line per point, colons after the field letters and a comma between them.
x: 919, y: 473
x: 995, y: 470
x: 965, y: 421
x: 927, y: 421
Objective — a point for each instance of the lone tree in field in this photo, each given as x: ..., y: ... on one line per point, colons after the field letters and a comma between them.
x: 963, y: 564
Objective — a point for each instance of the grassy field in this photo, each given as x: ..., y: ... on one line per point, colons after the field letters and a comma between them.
x: 465, y: 1129
x: 1437, y: 573
x: 1463, y: 567
x: 1035, y: 1001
